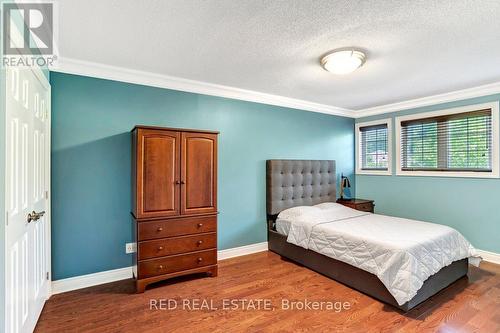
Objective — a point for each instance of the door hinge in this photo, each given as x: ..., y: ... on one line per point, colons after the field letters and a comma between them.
x: 47, y: 275
x: 6, y: 218
x: 47, y: 195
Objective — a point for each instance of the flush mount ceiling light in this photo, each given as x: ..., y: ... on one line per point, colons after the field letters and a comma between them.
x: 343, y: 61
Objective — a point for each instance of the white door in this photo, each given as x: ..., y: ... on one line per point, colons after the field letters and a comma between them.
x: 27, y: 262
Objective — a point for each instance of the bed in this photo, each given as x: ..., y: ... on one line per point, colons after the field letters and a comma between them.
x: 305, y: 225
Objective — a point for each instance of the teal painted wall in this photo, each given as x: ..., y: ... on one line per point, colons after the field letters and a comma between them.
x: 91, y: 123
x: 469, y: 205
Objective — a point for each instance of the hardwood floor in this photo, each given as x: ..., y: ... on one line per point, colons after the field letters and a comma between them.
x: 469, y: 305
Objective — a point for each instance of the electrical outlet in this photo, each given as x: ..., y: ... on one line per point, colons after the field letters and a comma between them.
x: 130, y: 247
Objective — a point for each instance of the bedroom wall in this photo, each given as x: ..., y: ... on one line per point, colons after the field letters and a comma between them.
x: 91, y: 123
x: 469, y: 205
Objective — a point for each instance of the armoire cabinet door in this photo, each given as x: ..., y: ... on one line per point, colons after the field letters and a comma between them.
x: 158, y: 181
x: 198, y: 173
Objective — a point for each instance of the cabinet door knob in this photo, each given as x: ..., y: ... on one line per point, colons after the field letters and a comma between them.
x: 200, y: 225
x: 160, y: 229
x: 183, y: 182
x: 177, y: 182
x: 199, y: 242
x: 200, y: 259
x: 160, y: 267
x: 160, y: 248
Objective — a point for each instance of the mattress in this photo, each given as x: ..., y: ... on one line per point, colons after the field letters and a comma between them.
x: 402, y: 253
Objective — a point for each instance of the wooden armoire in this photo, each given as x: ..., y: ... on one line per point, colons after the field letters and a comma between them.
x: 174, y: 200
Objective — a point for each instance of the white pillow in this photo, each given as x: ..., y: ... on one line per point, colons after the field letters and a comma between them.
x: 329, y: 205
x: 335, y: 209
x: 294, y: 212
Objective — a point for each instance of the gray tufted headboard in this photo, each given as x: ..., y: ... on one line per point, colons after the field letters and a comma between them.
x: 293, y: 183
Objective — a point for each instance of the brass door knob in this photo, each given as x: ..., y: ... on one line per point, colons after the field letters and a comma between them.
x: 200, y: 225
x: 199, y: 242
x: 160, y: 267
x: 160, y: 248
x: 177, y: 182
x: 160, y: 229
x: 34, y: 216
x: 183, y: 182
x: 31, y: 217
x: 200, y: 259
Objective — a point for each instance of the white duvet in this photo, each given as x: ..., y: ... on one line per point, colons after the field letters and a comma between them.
x: 402, y: 253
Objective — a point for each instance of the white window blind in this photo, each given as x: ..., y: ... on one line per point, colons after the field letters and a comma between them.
x: 455, y: 142
x: 374, y: 147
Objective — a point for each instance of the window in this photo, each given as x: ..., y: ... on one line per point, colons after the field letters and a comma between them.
x: 456, y: 142
x: 373, y: 147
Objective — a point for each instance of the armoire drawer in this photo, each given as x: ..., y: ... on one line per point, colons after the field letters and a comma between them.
x: 176, y: 245
x: 176, y: 227
x: 176, y: 263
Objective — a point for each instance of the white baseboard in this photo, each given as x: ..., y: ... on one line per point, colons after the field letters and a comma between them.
x: 89, y: 280
x: 489, y: 256
x: 242, y: 250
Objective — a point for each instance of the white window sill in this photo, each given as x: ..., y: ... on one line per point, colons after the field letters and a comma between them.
x: 448, y: 174
x: 374, y: 172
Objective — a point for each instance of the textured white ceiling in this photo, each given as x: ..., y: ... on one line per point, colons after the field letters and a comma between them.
x: 415, y: 48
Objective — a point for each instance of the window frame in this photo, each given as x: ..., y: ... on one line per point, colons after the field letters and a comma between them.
x: 494, y: 173
x: 359, y: 158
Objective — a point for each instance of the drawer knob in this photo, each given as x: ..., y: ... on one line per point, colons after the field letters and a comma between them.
x: 199, y: 242
x: 160, y: 267
x: 160, y: 229
x: 160, y: 248
x: 200, y: 225
x: 200, y: 259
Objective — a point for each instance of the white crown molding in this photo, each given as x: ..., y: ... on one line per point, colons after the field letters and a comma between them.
x: 484, y: 90
x: 85, y: 68
x: 92, y: 69
x: 89, y: 280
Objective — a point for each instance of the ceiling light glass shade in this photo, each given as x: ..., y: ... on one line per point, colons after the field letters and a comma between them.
x: 343, y: 62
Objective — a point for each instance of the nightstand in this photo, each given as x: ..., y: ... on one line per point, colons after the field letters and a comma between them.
x: 359, y: 204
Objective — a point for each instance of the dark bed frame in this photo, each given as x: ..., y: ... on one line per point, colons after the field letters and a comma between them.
x: 292, y: 183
